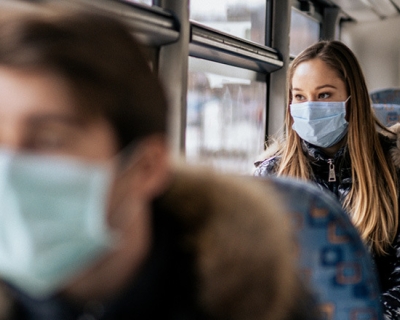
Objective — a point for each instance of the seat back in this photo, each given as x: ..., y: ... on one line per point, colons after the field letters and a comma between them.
x: 386, y: 104
x: 332, y: 258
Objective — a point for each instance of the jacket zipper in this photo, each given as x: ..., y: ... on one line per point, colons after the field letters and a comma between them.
x: 332, y: 175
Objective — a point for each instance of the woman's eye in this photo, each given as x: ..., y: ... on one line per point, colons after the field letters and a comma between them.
x: 298, y: 97
x: 324, y: 95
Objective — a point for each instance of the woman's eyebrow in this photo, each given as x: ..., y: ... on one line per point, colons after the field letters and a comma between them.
x: 326, y: 86
x: 317, y: 88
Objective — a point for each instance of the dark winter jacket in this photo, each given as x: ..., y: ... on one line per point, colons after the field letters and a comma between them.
x: 334, y: 174
x: 329, y: 173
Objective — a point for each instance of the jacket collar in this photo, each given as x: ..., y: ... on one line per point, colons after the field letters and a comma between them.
x: 316, y: 154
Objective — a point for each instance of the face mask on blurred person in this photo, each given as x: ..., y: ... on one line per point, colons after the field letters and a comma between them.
x: 53, y: 219
x: 320, y: 123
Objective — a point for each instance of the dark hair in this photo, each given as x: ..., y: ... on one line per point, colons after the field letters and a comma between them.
x: 99, y: 58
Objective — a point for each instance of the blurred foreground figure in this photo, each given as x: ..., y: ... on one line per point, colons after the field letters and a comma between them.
x: 95, y: 221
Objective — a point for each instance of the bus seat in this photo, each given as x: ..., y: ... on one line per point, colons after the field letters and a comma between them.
x: 386, y: 104
x: 333, y: 259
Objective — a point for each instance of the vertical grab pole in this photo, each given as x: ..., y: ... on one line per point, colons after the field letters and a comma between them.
x: 279, y: 38
x: 173, y: 72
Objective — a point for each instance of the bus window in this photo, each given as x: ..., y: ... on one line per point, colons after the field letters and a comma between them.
x: 147, y: 2
x: 236, y: 17
x: 304, y: 31
x: 225, y: 116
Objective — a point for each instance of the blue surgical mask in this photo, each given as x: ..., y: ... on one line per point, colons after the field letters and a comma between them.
x: 53, y: 219
x: 320, y: 123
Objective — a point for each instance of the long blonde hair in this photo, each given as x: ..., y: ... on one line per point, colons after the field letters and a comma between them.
x: 372, y: 200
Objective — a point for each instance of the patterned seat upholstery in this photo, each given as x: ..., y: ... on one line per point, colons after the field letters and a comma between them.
x: 332, y: 257
x: 386, y: 104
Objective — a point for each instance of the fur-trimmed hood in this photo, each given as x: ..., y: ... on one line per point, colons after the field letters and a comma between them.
x: 244, y: 272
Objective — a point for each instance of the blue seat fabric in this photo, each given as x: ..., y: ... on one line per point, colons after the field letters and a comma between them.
x: 386, y: 105
x: 332, y: 258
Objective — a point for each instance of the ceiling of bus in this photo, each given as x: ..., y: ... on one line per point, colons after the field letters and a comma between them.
x: 367, y: 10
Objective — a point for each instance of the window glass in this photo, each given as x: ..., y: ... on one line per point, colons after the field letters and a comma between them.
x: 304, y: 31
x: 148, y: 2
x: 244, y: 19
x: 225, y: 116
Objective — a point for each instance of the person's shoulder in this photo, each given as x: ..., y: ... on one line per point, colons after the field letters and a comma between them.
x: 267, y: 167
x: 268, y: 161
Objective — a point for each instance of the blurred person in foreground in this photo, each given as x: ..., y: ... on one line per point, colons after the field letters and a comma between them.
x: 96, y: 223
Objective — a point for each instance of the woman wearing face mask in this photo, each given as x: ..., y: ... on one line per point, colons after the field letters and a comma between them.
x: 332, y: 139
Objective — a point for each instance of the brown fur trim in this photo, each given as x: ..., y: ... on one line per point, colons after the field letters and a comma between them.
x: 241, y: 237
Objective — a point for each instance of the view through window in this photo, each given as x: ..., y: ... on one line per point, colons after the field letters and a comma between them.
x: 225, y: 116
x: 244, y: 19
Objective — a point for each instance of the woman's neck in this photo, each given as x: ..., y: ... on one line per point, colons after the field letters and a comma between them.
x: 332, y: 150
